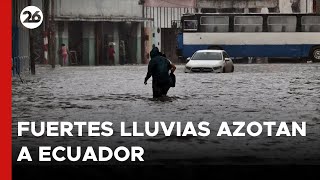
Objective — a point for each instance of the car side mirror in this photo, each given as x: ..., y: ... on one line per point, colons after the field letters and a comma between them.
x: 188, y: 59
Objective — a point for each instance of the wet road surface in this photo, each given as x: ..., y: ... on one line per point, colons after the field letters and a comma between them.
x: 256, y: 92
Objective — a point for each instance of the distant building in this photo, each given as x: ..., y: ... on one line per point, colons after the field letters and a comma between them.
x: 255, y: 6
x: 161, y: 31
x: 88, y: 28
x: 238, y: 6
x: 167, y: 13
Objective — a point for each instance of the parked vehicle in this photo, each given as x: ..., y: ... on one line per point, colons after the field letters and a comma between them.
x: 251, y: 35
x: 209, y: 61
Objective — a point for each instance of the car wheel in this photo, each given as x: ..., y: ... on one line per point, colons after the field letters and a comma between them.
x: 232, y: 69
x: 315, y: 54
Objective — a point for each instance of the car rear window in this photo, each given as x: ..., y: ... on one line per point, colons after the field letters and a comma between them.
x: 207, y: 56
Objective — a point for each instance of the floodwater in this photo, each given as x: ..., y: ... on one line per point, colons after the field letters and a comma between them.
x: 255, y: 92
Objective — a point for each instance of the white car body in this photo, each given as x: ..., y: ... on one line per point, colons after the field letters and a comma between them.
x: 220, y: 65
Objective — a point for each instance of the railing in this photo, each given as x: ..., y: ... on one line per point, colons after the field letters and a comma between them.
x: 20, y: 64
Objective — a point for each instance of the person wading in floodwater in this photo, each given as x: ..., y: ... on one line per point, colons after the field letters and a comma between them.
x: 63, y: 52
x: 159, y: 68
x: 111, y: 53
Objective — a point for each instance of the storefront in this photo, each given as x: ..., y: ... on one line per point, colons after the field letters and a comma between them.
x: 89, y: 42
x: 108, y: 34
x: 123, y: 37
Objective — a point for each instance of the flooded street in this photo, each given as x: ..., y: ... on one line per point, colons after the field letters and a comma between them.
x: 255, y: 92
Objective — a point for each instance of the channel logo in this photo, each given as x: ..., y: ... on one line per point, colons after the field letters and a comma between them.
x: 31, y: 17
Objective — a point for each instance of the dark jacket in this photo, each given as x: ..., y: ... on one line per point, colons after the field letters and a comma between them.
x: 158, y: 68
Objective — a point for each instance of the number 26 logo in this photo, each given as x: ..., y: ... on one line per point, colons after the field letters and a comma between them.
x: 31, y: 17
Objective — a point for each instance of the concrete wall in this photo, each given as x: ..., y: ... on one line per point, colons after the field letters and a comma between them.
x: 237, y: 3
x: 147, y: 44
x: 170, y: 3
x: 116, y: 42
x: 306, y: 6
x: 139, y: 51
x: 164, y: 12
x: 285, y: 6
x: 296, y: 6
x: 163, y: 16
x: 37, y: 3
x: 99, y: 8
x: 62, y: 37
x: 88, y: 40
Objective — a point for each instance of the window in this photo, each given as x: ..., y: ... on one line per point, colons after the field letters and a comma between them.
x: 248, y: 23
x: 310, y: 23
x: 190, y: 25
x: 214, y: 24
x: 207, y: 56
x: 282, y: 23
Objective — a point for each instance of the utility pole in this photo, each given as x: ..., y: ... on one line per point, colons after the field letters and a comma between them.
x: 46, y: 29
x: 52, y: 43
x: 142, y: 3
x: 32, y: 55
x: 31, y: 45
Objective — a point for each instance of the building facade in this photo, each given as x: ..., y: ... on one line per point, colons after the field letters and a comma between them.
x: 167, y: 14
x: 162, y: 30
x: 238, y: 6
x: 20, y: 39
x: 255, y: 6
x: 91, y: 28
x: 88, y: 28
